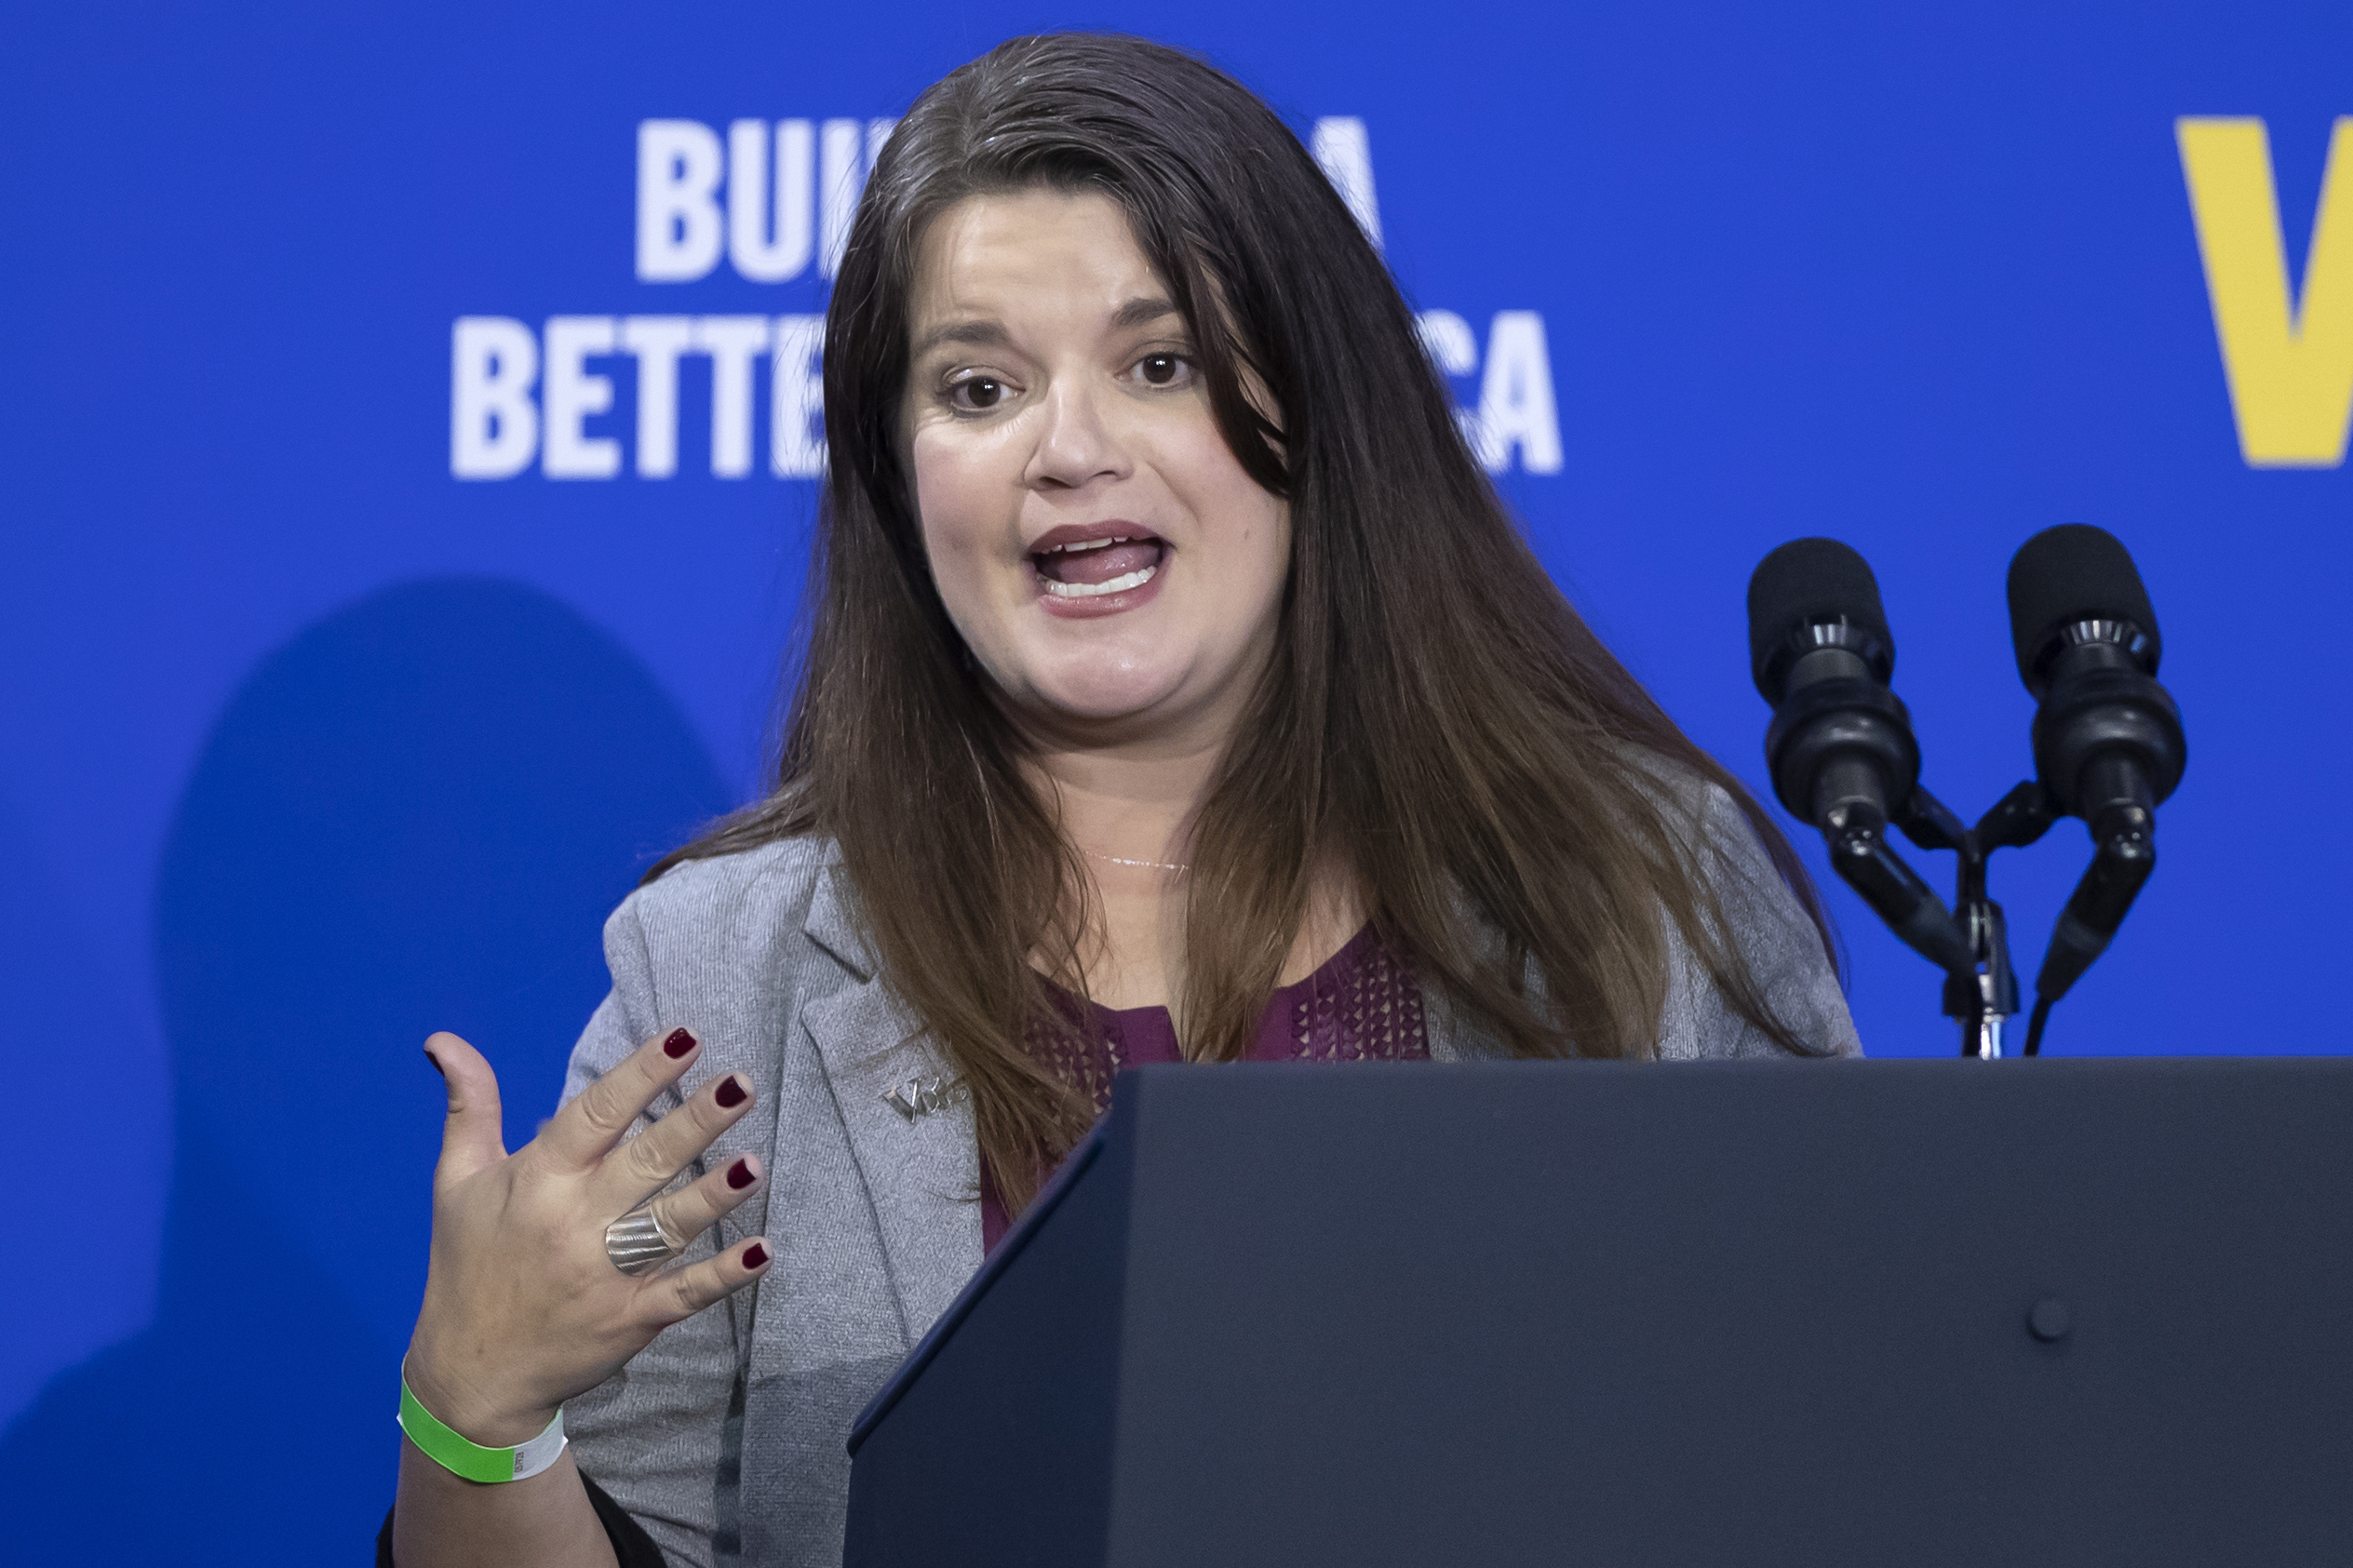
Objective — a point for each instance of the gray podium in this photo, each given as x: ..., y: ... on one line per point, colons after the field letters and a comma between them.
x: 2004, y: 1313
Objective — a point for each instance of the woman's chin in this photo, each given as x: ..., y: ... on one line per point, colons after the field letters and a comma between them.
x: 1100, y: 699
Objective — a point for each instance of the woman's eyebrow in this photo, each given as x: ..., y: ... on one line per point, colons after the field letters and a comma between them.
x: 1141, y: 313
x: 974, y: 334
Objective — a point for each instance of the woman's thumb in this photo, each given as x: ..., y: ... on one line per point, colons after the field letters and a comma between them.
x: 470, y: 1139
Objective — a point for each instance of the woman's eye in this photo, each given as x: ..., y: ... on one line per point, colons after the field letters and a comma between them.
x: 979, y: 392
x: 1163, y: 369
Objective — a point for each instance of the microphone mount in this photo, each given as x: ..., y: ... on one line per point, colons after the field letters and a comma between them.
x: 1983, y: 995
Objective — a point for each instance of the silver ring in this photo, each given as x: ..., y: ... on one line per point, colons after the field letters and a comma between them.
x: 638, y: 1243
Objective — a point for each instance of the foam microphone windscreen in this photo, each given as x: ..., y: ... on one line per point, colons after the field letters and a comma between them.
x: 1808, y: 582
x: 2070, y: 574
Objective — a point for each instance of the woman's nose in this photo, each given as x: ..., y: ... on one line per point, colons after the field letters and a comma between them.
x: 1076, y: 443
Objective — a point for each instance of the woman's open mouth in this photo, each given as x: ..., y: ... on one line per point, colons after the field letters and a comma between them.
x: 1097, y: 561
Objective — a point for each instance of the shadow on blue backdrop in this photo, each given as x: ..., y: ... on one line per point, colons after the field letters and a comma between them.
x: 414, y: 817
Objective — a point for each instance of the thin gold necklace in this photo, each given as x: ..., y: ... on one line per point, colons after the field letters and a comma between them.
x: 1151, y: 864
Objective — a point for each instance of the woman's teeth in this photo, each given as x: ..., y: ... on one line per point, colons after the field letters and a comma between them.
x: 1120, y: 585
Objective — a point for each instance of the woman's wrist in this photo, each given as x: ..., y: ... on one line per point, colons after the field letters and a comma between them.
x: 482, y: 1463
x: 489, y: 1418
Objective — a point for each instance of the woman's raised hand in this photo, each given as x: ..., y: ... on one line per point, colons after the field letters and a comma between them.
x: 523, y: 1307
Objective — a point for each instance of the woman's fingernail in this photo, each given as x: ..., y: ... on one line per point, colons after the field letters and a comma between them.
x: 739, y: 1175
x: 731, y: 1092
x: 754, y: 1255
x: 678, y: 1045
x: 435, y: 1061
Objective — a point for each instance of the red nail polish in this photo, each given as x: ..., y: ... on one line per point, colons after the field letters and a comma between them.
x: 435, y: 1063
x: 678, y: 1045
x: 731, y: 1093
x: 739, y: 1175
x: 754, y: 1255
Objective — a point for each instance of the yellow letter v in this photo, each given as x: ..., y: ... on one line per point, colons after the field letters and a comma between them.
x: 2289, y: 369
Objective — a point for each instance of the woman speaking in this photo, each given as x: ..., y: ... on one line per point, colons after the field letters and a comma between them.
x: 1178, y: 689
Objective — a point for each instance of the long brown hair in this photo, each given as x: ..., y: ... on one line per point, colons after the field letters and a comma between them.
x: 1516, y: 812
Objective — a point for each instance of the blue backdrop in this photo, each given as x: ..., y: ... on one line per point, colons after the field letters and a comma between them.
x: 403, y: 417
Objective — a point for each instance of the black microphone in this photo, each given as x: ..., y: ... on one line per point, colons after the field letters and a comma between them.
x: 2108, y: 744
x: 1840, y: 746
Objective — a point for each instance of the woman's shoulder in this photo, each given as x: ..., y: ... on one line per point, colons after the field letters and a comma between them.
x: 1678, y: 786
x: 712, y: 897
x: 1705, y: 819
x: 719, y: 942
x: 1787, y: 954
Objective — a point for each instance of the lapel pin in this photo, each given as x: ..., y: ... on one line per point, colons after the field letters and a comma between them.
x: 921, y: 1097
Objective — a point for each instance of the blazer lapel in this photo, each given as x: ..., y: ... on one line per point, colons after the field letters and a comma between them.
x: 922, y: 1170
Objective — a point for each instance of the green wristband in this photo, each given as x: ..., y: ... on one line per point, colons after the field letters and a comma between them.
x: 455, y: 1453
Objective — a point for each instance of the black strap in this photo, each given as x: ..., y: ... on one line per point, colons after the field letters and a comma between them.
x: 631, y: 1545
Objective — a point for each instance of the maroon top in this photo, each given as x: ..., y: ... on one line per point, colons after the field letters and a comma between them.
x: 1364, y: 1005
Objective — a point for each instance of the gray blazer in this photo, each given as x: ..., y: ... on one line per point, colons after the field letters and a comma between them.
x: 724, y: 1438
